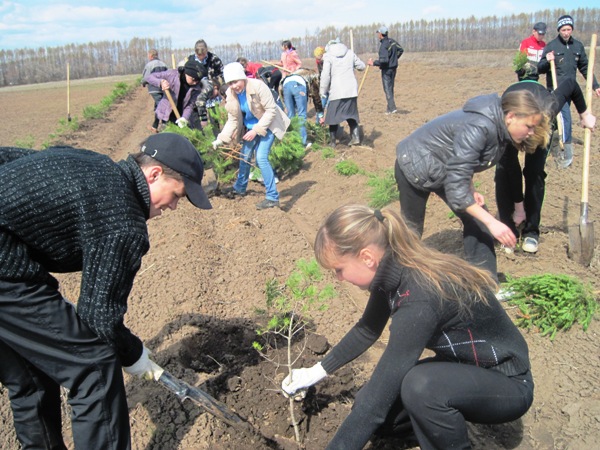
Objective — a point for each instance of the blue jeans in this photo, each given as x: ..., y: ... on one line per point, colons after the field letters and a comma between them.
x: 567, y: 122
x: 296, y: 102
x: 262, y: 146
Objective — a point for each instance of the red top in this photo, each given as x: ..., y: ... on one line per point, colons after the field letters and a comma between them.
x: 532, y: 48
x: 252, y: 68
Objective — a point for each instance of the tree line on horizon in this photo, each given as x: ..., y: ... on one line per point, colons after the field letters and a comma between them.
x: 109, y: 58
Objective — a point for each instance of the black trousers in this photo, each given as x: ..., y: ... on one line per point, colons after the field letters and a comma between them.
x: 388, y: 78
x: 439, y: 398
x: 44, y: 345
x: 478, y: 242
x: 535, y: 189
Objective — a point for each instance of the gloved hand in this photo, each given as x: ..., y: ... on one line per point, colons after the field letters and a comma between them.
x: 182, y: 122
x: 216, y: 143
x: 302, y: 379
x: 144, y: 367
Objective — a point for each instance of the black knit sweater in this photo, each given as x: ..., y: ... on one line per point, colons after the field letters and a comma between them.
x: 68, y: 210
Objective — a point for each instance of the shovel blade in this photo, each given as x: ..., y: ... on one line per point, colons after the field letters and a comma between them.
x: 581, y: 243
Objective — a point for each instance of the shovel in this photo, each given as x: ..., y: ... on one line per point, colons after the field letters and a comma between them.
x: 559, y: 120
x: 209, y: 404
x: 173, y: 105
x: 68, y: 93
x: 581, y: 238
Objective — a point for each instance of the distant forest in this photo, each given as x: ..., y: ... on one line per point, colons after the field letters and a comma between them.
x: 108, y: 58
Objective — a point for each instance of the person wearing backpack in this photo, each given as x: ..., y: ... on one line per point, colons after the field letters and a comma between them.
x: 389, y: 53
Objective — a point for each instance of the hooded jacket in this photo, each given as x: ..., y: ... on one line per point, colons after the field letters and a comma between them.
x: 446, y: 152
x: 164, y: 109
x: 337, y: 79
x: 263, y: 107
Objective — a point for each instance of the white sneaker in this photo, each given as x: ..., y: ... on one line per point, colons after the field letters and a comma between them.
x: 530, y: 245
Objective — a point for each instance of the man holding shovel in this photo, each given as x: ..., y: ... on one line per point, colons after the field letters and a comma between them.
x: 569, y: 56
x: 68, y: 210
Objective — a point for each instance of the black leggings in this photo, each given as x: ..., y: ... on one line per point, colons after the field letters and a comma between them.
x: 438, y: 398
x: 478, y: 242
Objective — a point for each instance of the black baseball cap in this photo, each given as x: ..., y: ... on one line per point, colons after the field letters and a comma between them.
x: 178, y: 153
x: 540, y: 27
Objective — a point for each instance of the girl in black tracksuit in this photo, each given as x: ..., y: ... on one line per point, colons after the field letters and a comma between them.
x: 481, y: 369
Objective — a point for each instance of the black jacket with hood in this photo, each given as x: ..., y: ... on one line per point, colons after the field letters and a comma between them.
x: 446, y: 152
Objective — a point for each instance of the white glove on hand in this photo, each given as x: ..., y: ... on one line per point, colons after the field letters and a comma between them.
x: 144, y: 367
x: 216, y: 144
x: 182, y: 122
x: 302, y: 379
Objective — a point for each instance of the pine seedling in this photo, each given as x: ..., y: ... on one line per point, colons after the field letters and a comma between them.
x: 384, y: 189
x: 347, y: 168
x: 288, y: 308
x: 551, y: 303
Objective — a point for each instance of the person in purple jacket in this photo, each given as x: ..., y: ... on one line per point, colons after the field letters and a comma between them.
x: 480, y: 371
x: 184, y: 86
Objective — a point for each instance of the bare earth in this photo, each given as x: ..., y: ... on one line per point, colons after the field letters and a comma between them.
x: 194, y: 300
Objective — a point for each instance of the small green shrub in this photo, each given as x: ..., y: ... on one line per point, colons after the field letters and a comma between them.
x: 384, y: 189
x: 288, y: 308
x: 347, y: 168
x: 26, y: 142
x: 317, y: 134
x: 327, y: 152
x: 551, y: 302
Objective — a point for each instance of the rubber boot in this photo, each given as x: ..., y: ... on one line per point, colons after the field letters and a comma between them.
x: 355, y: 136
x: 332, y: 136
x: 567, y: 156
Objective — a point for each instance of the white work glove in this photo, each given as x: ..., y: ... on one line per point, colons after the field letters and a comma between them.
x: 182, y: 122
x: 216, y: 143
x: 301, y: 380
x: 144, y: 367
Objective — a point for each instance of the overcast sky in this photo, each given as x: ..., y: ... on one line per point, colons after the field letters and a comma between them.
x: 43, y: 23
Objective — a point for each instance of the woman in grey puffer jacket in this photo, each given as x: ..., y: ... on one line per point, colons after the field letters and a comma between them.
x: 339, y: 89
x: 443, y: 155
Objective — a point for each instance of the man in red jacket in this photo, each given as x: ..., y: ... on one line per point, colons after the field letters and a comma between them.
x: 533, y: 46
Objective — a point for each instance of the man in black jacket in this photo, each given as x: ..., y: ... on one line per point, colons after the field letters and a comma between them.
x: 389, y: 53
x: 569, y: 56
x: 70, y: 210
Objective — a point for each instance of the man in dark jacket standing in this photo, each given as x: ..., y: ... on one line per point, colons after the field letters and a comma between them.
x: 389, y: 53
x: 68, y: 210
x: 569, y: 57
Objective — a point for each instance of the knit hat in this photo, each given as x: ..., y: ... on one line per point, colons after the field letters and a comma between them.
x: 194, y: 69
x: 233, y: 72
x: 563, y: 21
x: 177, y: 153
x: 319, y: 51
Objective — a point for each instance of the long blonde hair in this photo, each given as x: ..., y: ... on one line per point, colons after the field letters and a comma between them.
x: 524, y: 103
x: 351, y: 228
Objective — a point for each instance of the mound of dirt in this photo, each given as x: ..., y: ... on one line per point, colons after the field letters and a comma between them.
x: 194, y: 301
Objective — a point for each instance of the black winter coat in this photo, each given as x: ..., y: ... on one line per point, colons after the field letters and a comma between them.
x: 446, y: 152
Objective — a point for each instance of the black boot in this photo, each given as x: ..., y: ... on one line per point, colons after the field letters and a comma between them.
x: 355, y: 136
x: 332, y: 135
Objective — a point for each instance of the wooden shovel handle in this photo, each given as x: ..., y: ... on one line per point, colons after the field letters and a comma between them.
x: 559, y: 121
x: 173, y: 105
x: 588, y: 133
